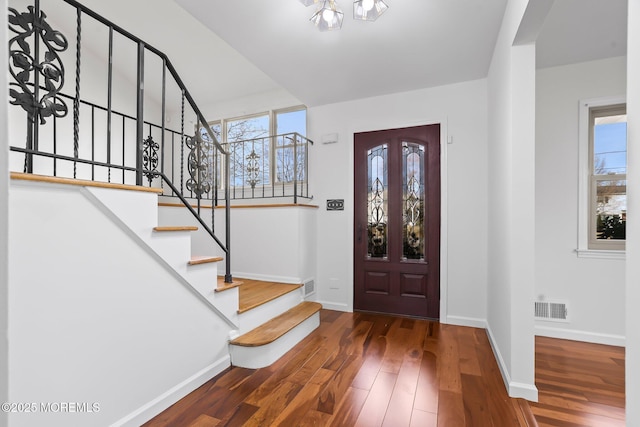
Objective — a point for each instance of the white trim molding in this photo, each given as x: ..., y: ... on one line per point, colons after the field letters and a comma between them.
x: 515, y: 389
x: 162, y: 402
x: 584, y: 336
x: 471, y: 322
x: 584, y: 174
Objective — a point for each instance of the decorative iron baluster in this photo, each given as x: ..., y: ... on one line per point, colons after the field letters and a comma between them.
x: 76, y: 100
x: 150, y: 158
x: 109, y: 101
x: 182, y: 139
x: 253, y: 168
x: 197, y: 164
x: 22, y: 64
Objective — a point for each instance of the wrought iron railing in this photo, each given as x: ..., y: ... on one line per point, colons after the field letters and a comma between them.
x: 269, y: 167
x: 94, y: 139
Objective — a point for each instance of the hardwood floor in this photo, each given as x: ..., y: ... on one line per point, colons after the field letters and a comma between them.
x: 362, y: 369
x: 579, y: 384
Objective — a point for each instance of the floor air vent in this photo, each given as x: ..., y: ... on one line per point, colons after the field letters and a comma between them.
x: 309, y: 288
x: 556, y: 311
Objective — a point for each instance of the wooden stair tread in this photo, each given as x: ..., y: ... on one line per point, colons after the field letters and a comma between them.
x: 196, y: 260
x: 82, y: 182
x: 254, y: 293
x: 222, y: 286
x: 278, y: 326
x: 176, y: 228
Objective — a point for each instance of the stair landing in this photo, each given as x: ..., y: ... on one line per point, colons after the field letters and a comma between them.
x: 254, y: 293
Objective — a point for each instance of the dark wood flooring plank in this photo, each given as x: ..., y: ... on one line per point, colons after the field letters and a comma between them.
x: 272, y: 405
x: 349, y: 408
x: 476, y: 408
x: 205, y: 421
x: 467, y: 344
x: 305, y: 399
x: 239, y: 416
x: 450, y: 409
x: 449, y: 360
x: 498, y: 401
x: 331, y: 395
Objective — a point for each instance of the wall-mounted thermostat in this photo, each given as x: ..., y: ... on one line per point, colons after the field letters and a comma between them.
x: 335, y: 204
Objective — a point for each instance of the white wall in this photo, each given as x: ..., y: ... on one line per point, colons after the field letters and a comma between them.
x: 243, y: 106
x: 99, y: 319
x: 4, y: 223
x: 269, y: 243
x: 593, y: 288
x: 633, y: 236
x: 461, y: 109
x: 511, y: 205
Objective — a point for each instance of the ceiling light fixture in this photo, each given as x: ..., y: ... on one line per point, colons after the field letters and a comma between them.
x: 368, y: 10
x: 329, y: 16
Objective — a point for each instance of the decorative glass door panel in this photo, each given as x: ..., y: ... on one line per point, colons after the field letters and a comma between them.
x: 413, y: 193
x: 377, y: 204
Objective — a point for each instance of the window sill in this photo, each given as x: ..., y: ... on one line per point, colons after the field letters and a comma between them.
x: 601, y: 254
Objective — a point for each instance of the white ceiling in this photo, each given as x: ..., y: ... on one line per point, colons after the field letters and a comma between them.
x: 582, y: 30
x: 415, y: 44
x: 230, y: 49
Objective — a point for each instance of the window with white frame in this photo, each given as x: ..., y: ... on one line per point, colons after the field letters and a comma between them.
x: 604, y: 182
x: 263, y: 146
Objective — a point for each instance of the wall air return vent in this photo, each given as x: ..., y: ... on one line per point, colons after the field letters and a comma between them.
x: 309, y: 288
x: 553, y: 311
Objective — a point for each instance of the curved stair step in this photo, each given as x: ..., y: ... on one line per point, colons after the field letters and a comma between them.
x: 278, y: 326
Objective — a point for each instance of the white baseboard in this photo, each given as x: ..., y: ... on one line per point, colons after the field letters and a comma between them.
x: 239, y: 275
x: 576, y: 335
x: 162, y: 402
x: 465, y: 321
x: 335, y: 306
x: 514, y: 389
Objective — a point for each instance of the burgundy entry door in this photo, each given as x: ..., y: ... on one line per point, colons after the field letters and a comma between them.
x: 397, y: 221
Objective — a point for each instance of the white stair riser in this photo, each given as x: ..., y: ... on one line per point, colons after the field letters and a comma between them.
x: 139, y: 212
x: 259, y: 357
x: 257, y: 316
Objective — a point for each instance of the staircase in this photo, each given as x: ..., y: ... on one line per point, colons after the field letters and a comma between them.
x: 266, y: 319
x: 151, y: 312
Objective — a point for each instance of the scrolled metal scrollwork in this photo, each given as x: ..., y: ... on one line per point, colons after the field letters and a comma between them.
x: 198, y: 165
x: 150, y: 158
x: 253, y: 168
x: 22, y: 65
